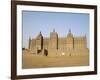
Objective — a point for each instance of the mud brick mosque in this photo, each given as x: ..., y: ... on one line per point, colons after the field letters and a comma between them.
x: 58, y: 46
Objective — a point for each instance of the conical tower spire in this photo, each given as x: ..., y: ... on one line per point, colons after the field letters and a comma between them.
x: 69, y: 30
x: 39, y: 35
x: 40, y: 32
x: 69, y: 33
x: 53, y: 30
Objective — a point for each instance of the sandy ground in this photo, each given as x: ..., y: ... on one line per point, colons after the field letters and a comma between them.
x: 33, y: 61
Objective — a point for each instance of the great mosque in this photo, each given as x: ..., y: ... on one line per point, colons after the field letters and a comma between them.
x: 58, y: 46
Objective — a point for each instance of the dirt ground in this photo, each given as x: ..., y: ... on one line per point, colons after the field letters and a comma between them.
x: 33, y: 61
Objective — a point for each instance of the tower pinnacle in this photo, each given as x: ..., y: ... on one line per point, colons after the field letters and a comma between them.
x: 69, y: 30
x: 40, y: 32
x: 53, y: 30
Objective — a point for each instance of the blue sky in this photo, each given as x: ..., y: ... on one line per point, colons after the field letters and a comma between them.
x: 35, y: 21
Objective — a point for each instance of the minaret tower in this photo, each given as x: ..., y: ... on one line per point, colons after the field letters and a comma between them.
x: 70, y: 40
x: 53, y: 43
